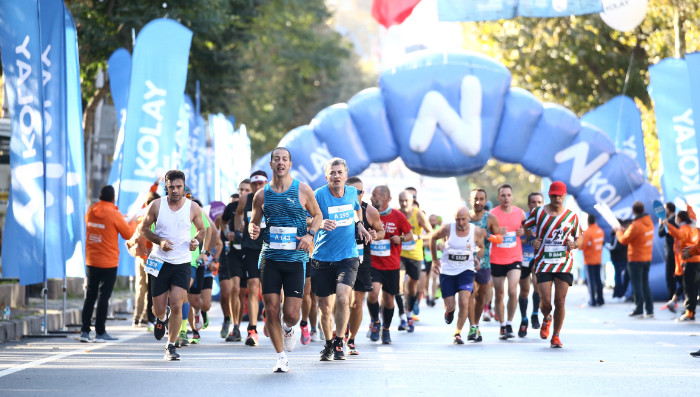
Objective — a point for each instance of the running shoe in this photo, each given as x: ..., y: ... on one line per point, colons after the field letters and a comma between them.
x: 161, y: 327
x: 449, y: 317
x: 230, y: 337
x: 198, y: 322
x: 171, y: 353
x: 556, y: 343
x: 403, y: 325
x: 509, y: 331
x: 535, y: 319
x: 416, y: 307
x: 352, y: 350
x: 225, y: 329
x: 252, y: 339
x: 544, y: 330
x: 338, y: 350
x: 85, y: 337
x: 386, y: 337
x: 687, y: 317
x: 206, y: 320
x: 281, y: 366
x: 415, y: 318
x: 182, y: 340
x: 695, y: 354
x: 472, y: 333
x: 289, y: 340
x: 374, y: 333
x: 636, y: 314
x: 411, y: 327
x: 102, y: 338
x: 522, y: 331
x: 478, y: 335
x: 502, y: 334
x: 458, y: 340
x: 237, y: 334
x: 327, y: 353
x: 305, y: 335
x: 195, y: 337
x: 314, y: 335
x: 150, y: 327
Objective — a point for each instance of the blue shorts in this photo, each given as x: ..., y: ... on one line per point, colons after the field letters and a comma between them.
x: 450, y: 285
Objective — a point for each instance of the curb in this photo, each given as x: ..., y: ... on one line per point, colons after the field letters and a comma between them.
x: 13, y: 330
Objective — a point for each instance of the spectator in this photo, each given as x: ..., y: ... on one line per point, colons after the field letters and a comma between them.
x: 592, y: 247
x: 686, y: 236
x: 671, y: 250
x: 104, y: 224
x: 638, y: 238
x: 618, y: 256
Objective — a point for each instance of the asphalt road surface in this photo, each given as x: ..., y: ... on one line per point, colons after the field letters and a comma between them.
x: 605, y: 354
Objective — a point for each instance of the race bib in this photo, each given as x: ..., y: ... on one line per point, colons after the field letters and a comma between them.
x: 508, y: 240
x: 283, y: 238
x: 153, y: 266
x: 380, y: 248
x: 408, y: 245
x: 554, y: 251
x: 343, y: 215
x: 528, y: 256
x: 237, y: 247
x: 262, y: 221
x: 361, y: 251
x: 459, y: 255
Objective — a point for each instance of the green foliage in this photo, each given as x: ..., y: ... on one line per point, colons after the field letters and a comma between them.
x: 496, y: 174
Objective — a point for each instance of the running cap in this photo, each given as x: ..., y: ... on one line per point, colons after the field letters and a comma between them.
x: 557, y: 188
x: 258, y: 178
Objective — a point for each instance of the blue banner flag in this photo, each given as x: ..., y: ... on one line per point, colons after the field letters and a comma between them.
x: 23, y: 236
x: 53, y: 60
x: 670, y: 90
x: 622, y: 121
x: 558, y: 8
x: 158, y: 76
x: 76, y: 187
x: 476, y: 10
x: 693, y: 64
x: 193, y: 157
x: 182, y: 135
x: 119, y: 70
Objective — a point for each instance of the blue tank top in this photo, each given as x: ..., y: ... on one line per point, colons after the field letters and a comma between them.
x: 285, y: 219
x: 338, y: 244
x: 485, y: 262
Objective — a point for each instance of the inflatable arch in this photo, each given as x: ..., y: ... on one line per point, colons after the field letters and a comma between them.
x: 447, y: 114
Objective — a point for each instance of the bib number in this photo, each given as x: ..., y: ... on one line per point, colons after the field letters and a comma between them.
x: 408, y: 245
x: 380, y: 248
x: 554, y: 251
x: 361, y: 251
x: 343, y: 215
x: 153, y: 266
x: 508, y: 240
x: 528, y: 256
x: 283, y: 238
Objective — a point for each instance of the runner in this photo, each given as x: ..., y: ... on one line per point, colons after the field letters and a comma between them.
x: 534, y: 200
x: 386, y: 254
x: 363, y: 281
x: 429, y: 289
x: 251, y: 253
x: 481, y: 218
x: 464, y: 245
x: 412, y: 251
x: 169, y: 261
x: 286, y: 241
x: 557, y: 233
x: 507, y: 258
x: 335, y: 261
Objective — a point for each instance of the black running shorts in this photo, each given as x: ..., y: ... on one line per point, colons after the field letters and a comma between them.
x: 502, y: 270
x: 412, y: 267
x: 325, y: 276
x: 170, y: 275
x: 276, y: 276
x: 545, y: 277
x: 389, y: 279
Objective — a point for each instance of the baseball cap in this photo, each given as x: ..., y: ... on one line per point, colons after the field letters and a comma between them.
x: 216, y: 210
x: 557, y: 188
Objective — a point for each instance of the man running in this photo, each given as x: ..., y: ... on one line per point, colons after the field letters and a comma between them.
x: 464, y: 245
x: 335, y: 261
x: 557, y: 233
x: 251, y: 253
x: 169, y: 261
x: 286, y: 241
x: 363, y: 281
x: 534, y: 200
x: 507, y: 258
x: 424, y: 285
x: 412, y: 251
x: 481, y: 218
x: 386, y: 254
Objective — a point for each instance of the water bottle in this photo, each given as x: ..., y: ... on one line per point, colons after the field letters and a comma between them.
x: 6, y: 313
x: 200, y: 263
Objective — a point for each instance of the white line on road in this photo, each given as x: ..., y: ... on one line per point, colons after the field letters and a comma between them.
x: 59, y: 356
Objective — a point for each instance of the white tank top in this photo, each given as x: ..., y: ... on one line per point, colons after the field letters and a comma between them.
x: 458, y: 254
x: 175, y: 227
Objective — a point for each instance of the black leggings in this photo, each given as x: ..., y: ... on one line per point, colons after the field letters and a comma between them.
x: 100, y: 283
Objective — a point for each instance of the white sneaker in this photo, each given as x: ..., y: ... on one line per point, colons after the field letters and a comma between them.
x: 314, y: 336
x: 289, y: 339
x: 281, y: 366
x: 198, y: 322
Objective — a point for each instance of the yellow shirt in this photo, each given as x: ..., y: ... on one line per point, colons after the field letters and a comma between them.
x: 413, y: 249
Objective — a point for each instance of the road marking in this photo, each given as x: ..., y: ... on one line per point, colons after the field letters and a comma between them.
x: 36, y: 363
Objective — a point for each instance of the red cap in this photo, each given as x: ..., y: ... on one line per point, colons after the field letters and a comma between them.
x: 557, y: 188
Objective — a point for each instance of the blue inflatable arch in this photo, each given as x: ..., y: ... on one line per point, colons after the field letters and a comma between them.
x: 447, y: 114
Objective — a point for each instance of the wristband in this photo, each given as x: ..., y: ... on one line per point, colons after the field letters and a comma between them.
x: 205, y: 252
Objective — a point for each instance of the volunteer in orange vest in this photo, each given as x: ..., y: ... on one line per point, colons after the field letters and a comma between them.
x: 592, y: 247
x: 104, y: 224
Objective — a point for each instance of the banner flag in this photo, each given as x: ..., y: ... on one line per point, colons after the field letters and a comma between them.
x: 693, y: 63
x: 119, y: 70
x: 20, y: 47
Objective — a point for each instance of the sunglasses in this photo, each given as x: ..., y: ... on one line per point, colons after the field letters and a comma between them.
x: 359, y: 192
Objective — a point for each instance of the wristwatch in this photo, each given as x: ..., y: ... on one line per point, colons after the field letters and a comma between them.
x: 311, y: 232
x: 205, y: 252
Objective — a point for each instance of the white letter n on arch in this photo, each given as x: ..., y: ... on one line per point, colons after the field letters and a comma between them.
x: 580, y: 170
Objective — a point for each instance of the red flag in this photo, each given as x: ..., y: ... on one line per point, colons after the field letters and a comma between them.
x: 392, y: 12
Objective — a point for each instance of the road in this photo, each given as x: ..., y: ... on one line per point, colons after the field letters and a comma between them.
x: 605, y: 354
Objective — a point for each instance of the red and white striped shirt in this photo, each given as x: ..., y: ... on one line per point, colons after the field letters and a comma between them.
x: 554, y: 231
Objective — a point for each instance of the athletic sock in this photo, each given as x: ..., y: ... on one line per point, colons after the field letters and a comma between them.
x: 535, y: 303
x: 183, y: 326
x: 303, y: 323
x: 373, y: 311
x: 253, y: 327
x: 388, y: 314
x: 399, y: 301
x: 186, y: 311
x: 522, y: 304
x: 281, y: 355
x: 351, y: 341
x: 227, y: 319
x: 285, y: 327
x: 509, y: 323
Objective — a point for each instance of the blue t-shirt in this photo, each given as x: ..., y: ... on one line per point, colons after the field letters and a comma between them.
x: 340, y: 243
